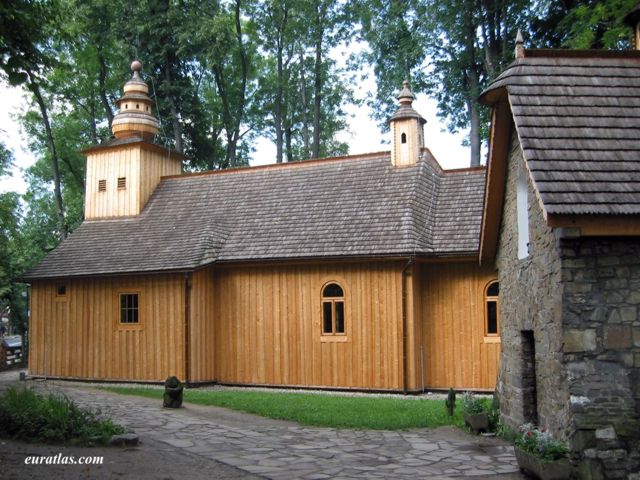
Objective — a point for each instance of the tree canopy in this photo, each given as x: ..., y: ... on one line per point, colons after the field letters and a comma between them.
x: 224, y: 73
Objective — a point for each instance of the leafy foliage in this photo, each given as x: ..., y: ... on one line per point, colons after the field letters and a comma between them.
x: 26, y: 415
x: 540, y: 443
x: 472, y: 404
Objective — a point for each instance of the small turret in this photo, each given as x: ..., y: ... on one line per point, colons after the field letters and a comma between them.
x: 407, y: 131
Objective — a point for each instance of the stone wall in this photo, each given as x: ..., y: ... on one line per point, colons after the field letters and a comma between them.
x: 601, y: 302
x: 570, y: 326
x: 530, y: 306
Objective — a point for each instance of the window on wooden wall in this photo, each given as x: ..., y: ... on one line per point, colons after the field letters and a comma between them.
x: 62, y: 292
x: 129, y: 308
x: 333, y: 317
x: 102, y: 185
x: 492, y: 310
x: 122, y: 183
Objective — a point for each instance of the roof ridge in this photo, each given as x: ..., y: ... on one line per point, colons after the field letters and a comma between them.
x: 285, y: 165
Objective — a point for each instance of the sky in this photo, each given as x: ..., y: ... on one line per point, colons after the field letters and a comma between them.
x: 363, y: 136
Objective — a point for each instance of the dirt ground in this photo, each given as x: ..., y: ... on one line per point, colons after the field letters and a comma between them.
x: 143, y: 462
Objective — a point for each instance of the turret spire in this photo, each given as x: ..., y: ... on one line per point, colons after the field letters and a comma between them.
x: 135, y: 118
x: 406, y: 130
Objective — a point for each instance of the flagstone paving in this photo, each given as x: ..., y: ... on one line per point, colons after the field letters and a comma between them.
x: 286, y: 450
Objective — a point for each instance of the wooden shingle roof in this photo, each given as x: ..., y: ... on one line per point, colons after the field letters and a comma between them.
x: 341, y: 208
x: 577, y: 116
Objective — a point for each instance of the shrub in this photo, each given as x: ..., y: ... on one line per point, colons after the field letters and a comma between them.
x: 540, y: 443
x: 472, y: 405
x: 26, y: 415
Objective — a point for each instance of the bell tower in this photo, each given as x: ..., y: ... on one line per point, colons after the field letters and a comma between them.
x: 123, y: 172
x: 407, y: 130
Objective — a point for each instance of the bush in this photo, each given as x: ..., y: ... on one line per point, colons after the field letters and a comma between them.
x: 28, y: 416
x: 472, y: 405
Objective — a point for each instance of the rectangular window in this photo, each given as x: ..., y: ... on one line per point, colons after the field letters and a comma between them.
x: 339, y: 317
x: 102, y: 185
x: 122, y: 183
x: 492, y: 317
x: 61, y: 290
x: 129, y: 310
x: 327, y: 324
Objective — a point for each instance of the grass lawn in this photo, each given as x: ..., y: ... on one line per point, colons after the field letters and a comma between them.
x: 336, y: 411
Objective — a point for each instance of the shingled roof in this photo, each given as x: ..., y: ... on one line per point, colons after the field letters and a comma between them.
x: 577, y: 116
x: 341, y: 208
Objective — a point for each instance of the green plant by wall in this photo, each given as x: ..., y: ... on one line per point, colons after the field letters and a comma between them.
x: 26, y: 415
x: 450, y: 402
x: 540, y: 443
x: 472, y: 405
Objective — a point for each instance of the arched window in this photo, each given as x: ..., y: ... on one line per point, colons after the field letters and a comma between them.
x: 403, y: 138
x: 492, y: 310
x: 333, y: 309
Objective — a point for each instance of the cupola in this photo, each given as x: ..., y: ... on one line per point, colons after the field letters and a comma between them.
x: 122, y: 173
x: 633, y: 20
x: 407, y: 130
x: 135, y: 116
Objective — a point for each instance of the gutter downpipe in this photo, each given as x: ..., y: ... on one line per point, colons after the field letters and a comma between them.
x: 404, y: 323
x: 187, y: 327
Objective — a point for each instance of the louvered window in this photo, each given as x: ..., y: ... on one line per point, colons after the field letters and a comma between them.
x: 102, y: 185
x: 122, y: 183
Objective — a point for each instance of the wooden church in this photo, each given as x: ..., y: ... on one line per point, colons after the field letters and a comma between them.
x: 357, y: 272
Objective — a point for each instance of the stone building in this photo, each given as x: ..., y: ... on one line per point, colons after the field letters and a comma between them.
x: 562, y: 224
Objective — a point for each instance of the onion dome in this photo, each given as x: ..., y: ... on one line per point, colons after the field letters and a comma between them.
x: 135, y: 117
x: 405, y: 110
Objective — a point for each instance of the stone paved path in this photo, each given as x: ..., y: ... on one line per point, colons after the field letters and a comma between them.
x: 285, y: 450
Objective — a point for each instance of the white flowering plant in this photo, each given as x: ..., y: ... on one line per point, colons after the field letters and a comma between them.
x: 539, y: 442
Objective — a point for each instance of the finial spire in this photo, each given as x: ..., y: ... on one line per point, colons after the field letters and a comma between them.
x: 135, y: 117
x: 405, y: 97
x: 519, y: 45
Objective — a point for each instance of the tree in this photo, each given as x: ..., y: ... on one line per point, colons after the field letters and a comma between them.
x: 582, y: 24
x: 449, y: 49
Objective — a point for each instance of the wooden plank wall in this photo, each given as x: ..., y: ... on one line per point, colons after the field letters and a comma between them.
x: 141, y: 167
x: 109, y: 165
x: 276, y: 339
x: 202, y: 331
x: 452, y: 309
x: 81, y: 337
x: 154, y: 165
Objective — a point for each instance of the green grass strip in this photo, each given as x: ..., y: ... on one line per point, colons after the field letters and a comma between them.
x: 377, y: 413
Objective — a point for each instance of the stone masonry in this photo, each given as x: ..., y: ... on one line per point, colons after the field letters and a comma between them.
x: 578, y: 298
x: 601, y: 298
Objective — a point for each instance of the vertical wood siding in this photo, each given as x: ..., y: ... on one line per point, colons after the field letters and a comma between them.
x: 202, y: 331
x: 142, y: 170
x: 452, y: 310
x: 81, y: 337
x: 268, y: 326
x: 110, y: 165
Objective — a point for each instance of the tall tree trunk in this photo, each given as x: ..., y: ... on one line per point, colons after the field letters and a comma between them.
x: 474, y: 132
x: 277, y: 107
x: 305, y: 108
x: 175, y: 120
x: 472, y: 79
x: 55, y: 165
x: 317, y: 72
x: 102, y: 89
x: 244, y: 65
